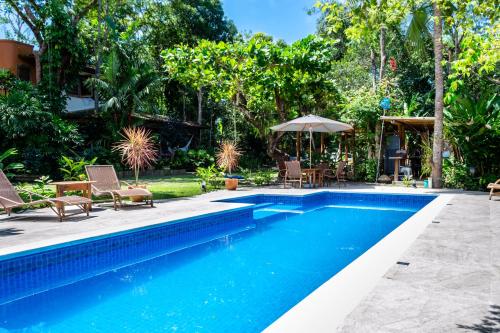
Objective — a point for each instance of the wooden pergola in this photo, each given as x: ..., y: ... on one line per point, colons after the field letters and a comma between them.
x: 402, y: 124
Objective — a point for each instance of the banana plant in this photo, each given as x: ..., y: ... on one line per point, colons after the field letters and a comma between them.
x: 473, y: 126
x: 6, y: 168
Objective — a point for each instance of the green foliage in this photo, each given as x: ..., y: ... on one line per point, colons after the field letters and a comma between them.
x: 192, y: 159
x: 124, y: 87
x: 74, y: 169
x: 457, y: 175
x: 426, y: 158
x: 406, y: 181
x: 6, y: 168
x: 263, y: 177
x: 473, y: 127
x: 200, y: 158
x: 41, y: 184
x: 211, y: 176
x: 27, y: 124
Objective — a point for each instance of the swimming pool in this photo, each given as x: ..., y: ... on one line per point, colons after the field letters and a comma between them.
x: 237, y: 270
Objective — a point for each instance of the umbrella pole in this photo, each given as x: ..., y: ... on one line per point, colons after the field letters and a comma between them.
x: 310, y: 147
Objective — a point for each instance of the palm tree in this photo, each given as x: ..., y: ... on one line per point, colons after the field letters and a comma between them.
x: 437, y: 148
x: 418, y: 31
x: 123, y: 87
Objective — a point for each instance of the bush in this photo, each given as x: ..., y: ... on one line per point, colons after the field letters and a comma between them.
x: 27, y: 123
x: 457, y: 175
x: 74, y: 169
x: 366, y: 170
x: 263, y: 177
x: 211, y: 176
x: 191, y: 160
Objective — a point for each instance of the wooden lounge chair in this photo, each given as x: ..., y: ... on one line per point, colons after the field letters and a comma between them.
x: 10, y: 199
x: 106, y: 183
x: 293, y: 173
x: 494, y: 187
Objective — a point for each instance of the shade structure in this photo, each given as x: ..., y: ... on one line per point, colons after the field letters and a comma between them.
x: 312, y: 123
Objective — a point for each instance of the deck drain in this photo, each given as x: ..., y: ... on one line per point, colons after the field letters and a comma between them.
x: 403, y: 263
x: 436, y: 222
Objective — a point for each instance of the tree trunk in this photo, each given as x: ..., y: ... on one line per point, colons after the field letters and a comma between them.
x: 373, y: 69
x: 38, y: 67
x: 383, y: 55
x: 437, y: 157
x: 200, y: 99
x: 98, y: 49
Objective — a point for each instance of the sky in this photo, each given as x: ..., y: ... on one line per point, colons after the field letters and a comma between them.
x: 282, y: 19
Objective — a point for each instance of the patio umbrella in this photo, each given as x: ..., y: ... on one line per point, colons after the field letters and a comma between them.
x: 312, y: 123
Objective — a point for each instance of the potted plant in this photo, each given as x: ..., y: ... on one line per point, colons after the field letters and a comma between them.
x: 227, y: 159
x: 138, y: 152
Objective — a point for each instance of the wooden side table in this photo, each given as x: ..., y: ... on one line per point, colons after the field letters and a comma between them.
x: 84, y: 186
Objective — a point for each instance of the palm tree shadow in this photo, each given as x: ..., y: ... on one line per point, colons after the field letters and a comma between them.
x: 489, y: 324
x: 10, y: 232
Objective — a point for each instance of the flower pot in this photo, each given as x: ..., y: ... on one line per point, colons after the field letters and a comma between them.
x: 231, y: 184
x: 137, y: 198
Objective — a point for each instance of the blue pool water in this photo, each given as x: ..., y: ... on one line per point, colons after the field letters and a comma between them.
x: 235, y: 271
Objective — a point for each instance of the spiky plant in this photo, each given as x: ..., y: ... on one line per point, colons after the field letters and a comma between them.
x: 228, y: 156
x: 137, y: 149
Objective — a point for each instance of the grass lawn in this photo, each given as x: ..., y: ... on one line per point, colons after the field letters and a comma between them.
x: 161, y: 187
x: 172, y: 186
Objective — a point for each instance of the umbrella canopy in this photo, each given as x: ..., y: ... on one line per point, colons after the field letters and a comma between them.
x: 312, y: 123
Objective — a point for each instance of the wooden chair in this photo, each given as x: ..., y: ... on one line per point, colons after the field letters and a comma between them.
x: 326, y: 175
x: 340, y: 174
x: 494, y: 187
x: 10, y: 199
x: 280, y: 164
x: 107, y: 184
x: 293, y: 173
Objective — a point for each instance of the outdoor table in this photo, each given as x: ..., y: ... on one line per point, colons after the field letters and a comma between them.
x: 397, y: 160
x: 311, y: 175
x: 84, y: 186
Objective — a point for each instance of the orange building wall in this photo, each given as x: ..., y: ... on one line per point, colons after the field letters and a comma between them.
x: 9, y: 56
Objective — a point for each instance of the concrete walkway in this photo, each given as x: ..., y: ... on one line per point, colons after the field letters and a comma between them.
x: 452, y: 282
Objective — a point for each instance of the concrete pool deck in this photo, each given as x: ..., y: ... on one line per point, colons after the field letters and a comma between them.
x: 450, y: 284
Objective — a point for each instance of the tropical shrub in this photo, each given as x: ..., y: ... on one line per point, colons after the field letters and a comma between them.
x: 228, y: 156
x: 210, y: 175
x: 40, y: 186
x: 263, y: 177
x: 458, y: 175
x: 27, y: 123
x: 473, y: 127
x: 74, y: 169
x: 137, y: 149
x: 6, y: 168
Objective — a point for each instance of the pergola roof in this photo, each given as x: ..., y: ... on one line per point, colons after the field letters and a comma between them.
x: 410, y: 121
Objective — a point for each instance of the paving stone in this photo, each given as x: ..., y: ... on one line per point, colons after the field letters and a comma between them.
x: 452, y: 283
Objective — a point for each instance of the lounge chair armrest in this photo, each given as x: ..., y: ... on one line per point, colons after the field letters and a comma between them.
x: 126, y: 183
x: 31, y: 194
x: 497, y: 182
x: 8, y: 200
